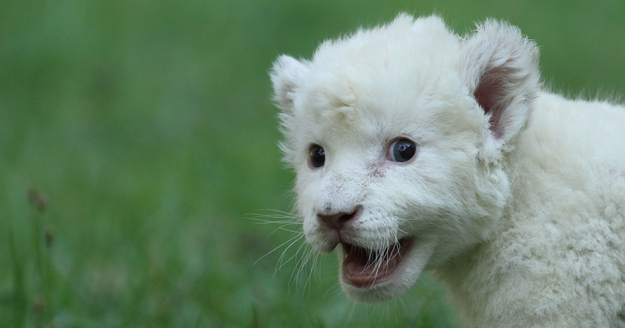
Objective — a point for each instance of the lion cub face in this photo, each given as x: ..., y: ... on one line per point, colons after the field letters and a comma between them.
x: 396, y: 157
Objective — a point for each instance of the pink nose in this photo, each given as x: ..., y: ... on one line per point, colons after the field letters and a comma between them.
x: 338, y: 220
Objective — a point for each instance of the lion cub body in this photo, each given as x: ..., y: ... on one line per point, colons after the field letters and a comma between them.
x: 514, y: 197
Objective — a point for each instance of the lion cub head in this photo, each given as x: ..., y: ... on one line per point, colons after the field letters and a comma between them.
x: 397, y: 135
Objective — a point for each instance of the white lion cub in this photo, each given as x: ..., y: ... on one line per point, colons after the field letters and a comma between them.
x: 416, y: 149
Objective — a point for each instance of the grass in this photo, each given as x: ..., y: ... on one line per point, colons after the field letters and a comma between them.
x: 137, y: 139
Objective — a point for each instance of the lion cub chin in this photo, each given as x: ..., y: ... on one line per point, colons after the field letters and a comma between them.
x: 417, y: 149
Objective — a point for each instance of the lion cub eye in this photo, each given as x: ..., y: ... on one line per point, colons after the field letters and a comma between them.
x: 317, y: 156
x: 402, y: 150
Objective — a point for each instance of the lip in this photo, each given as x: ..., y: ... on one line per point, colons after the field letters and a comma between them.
x: 365, y: 268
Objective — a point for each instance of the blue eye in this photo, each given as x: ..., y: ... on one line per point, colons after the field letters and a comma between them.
x: 317, y: 156
x: 402, y: 150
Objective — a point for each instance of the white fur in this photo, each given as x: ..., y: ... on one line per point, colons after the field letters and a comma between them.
x: 515, y: 198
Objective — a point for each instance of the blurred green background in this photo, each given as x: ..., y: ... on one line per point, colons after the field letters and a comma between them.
x: 138, y: 156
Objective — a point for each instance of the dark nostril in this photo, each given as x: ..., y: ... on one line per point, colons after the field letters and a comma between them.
x: 338, y: 220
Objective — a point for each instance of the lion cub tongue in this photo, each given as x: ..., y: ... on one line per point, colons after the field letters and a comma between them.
x: 363, y: 267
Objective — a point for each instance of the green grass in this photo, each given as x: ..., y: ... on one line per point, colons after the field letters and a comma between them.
x: 147, y: 131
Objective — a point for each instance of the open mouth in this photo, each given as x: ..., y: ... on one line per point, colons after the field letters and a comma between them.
x: 364, y: 267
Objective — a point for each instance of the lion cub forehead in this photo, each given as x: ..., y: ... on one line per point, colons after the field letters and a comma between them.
x: 368, y: 71
x: 404, y: 38
x: 370, y: 87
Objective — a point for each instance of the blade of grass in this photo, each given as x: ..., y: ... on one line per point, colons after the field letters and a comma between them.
x: 19, y: 289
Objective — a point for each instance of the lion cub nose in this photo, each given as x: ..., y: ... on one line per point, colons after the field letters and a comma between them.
x: 338, y: 220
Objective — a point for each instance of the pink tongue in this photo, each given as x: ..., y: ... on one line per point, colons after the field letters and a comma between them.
x: 360, y: 269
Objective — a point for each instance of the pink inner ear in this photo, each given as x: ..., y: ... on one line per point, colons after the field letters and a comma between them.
x: 490, y: 94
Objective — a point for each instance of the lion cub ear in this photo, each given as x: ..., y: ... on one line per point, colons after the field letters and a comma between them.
x: 501, y: 69
x: 286, y: 74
